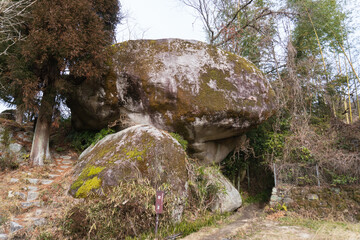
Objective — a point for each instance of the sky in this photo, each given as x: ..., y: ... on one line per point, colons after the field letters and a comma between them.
x: 156, y: 19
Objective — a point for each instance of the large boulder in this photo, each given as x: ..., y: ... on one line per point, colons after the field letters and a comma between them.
x: 207, y: 95
x: 137, y: 153
x: 227, y: 198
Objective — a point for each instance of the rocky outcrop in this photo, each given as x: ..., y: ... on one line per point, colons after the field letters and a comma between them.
x: 209, y: 96
x: 15, y: 142
x: 137, y: 153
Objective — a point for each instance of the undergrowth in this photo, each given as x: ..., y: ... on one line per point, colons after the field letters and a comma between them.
x: 80, y: 140
x: 127, y: 211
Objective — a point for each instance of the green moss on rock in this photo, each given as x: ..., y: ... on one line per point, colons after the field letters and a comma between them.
x: 90, y: 184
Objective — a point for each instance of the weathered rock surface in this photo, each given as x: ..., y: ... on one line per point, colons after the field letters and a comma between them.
x: 14, y: 141
x: 209, y: 96
x: 139, y: 152
x: 228, y: 198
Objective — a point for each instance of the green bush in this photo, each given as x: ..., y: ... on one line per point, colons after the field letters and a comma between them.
x: 80, y: 140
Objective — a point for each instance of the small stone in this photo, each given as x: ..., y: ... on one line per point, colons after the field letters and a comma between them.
x: 4, y: 237
x: 32, y: 196
x: 274, y: 190
x: 20, y: 195
x: 288, y: 200
x: 46, y: 182
x: 311, y: 197
x: 32, y: 180
x: 10, y: 194
x: 32, y: 188
x: 38, y: 212
x: 14, y: 180
x: 64, y: 166
x: 67, y: 162
x: 39, y: 222
x: 275, y: 198
x: 15, y: 147
x: 54, y: 175
x: 15, y: 226
x: 25, y: 205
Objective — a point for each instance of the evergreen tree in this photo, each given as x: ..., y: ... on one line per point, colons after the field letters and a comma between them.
x: 65, y: 45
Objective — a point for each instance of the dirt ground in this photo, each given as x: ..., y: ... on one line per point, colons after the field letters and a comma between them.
x: 252, y: 223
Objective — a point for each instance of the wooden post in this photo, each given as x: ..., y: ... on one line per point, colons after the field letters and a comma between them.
x: 317, y: 174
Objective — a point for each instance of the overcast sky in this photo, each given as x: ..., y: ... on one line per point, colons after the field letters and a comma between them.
x: 155, y: 19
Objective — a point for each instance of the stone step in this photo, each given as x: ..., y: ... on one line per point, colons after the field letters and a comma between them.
x: 54, y: 175
x: 4, y: 237
x: 64, y: 166
x: 46, y: 181
x: 25, y: 205
x: 67, y: 162
x: 14, y: 180
x: 32, y: 180
x: 14, y: 226
x: 32, y: 196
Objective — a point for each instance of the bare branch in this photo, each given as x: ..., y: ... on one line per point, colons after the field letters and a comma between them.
x: 11, y: 18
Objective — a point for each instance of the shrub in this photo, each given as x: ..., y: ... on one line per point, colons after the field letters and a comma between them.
x: 126, y: 211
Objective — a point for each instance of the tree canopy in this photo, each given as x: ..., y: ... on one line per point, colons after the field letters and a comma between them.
x: 65, y: 44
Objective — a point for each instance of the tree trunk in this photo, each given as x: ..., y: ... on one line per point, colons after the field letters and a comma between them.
x: 40, y: 145
x: 19, y: 116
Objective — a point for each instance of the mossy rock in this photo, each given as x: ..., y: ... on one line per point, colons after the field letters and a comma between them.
x: 201, y: 92
x: 140, y: 153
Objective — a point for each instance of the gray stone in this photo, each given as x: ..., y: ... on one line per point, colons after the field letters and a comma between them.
x: 64, y: 166
x: 20, y: 195
x: 15, y: 148
x: 32, y: 196
x: 228, y: 198
x: 54, y: 175
x: 46, y: 182
x: 4, y: 237
x: 151, y: 155
x: 15, y: 226
x: 59, y: 170
x: 25, y: 205
x: 208, y: 95
x: 32, y: 188
x: 288, y: 200
x: 32, y: 180
x: 39, y: 222
x: 312, y: 197
x: 67, y: 162
x: 274, y: 190
x: 275, y: 198
x: 66, y: 157
x: 38, y: 212
x: 14, y: 180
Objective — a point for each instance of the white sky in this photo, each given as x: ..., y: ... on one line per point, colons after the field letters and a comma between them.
x: 156, y: 19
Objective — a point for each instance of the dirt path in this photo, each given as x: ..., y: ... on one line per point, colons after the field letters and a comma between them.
x: 30, y: 196
x: 251, y: 223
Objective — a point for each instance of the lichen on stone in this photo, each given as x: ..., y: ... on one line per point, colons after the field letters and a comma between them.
x: 90, y: 184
